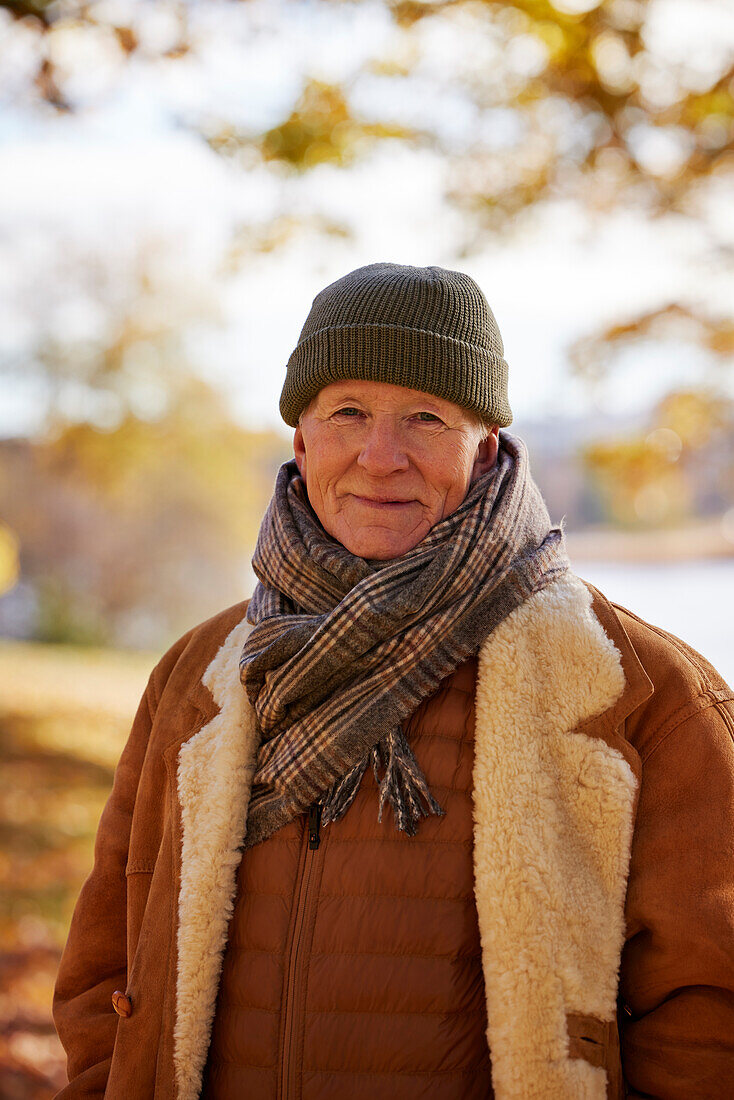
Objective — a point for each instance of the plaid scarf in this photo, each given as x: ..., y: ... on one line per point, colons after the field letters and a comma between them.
x: 344, y: 648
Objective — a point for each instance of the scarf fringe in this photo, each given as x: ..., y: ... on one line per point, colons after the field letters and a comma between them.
x: 403, y: 785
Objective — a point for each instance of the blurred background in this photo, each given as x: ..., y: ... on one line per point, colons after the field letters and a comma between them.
x: 178, y: 180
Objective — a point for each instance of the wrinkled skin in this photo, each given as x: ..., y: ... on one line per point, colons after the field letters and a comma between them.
x: 383, y: 464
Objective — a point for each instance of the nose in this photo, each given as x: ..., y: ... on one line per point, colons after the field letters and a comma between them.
x: 381, y: 452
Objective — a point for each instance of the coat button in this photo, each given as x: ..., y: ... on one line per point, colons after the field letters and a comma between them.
x: 121, y: 1003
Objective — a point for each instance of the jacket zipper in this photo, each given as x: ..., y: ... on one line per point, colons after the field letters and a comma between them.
x: 295, y: 973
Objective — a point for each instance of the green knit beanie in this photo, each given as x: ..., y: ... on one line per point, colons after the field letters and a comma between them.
x: 426, y: 328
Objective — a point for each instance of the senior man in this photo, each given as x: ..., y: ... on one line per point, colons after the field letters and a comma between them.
x: 428, y: 816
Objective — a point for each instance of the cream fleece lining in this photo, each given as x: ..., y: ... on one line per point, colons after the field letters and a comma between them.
x: 214, y: 779
x: 552, y: 835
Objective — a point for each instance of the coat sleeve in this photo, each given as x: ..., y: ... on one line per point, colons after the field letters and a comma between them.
x: 94, y: 961
x: 677, y: 973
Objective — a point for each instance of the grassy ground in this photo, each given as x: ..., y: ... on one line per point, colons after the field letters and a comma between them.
x: 64, y: 716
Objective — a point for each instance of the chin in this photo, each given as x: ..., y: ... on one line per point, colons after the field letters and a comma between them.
x: 378, y: 549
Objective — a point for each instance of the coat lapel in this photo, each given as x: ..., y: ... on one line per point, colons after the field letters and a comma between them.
x: 554, y: 807
x: 554, y: 796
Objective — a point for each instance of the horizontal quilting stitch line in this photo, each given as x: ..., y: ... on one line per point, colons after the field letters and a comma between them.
x: 357, y: 1011
x: 220, y: 1062
x: 389, y: 824
x: 388, y: 1011
x: 422, y: 724
x: 393, y: 955
x: 242, y: 950
x: 393, y: 835
x: 364, y: 1072
x: 267, y: 894
x: 401, y: 896
x: 316, y: 1070
x: 293, y: 842
x: 439, y: 713
x: 398, y: 840
x: 361, y: 954
x: 387, y: 955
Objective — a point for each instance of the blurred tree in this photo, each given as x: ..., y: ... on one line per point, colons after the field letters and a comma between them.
x: 683, y: 463
x: 570, y: 99
x: 592, y: 356
x: 680, y: 465
x: 526, y: 102
x: 135, y: 506
x: 594, y: 112
x: 130, y: 535
x: 566, y: 100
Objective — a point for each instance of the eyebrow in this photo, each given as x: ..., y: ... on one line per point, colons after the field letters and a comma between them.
x: 426, y: 404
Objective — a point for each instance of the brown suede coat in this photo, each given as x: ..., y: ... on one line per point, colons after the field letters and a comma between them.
x: 603, y: 819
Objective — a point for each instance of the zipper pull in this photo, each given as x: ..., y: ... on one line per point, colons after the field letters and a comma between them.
x: 314, y: 820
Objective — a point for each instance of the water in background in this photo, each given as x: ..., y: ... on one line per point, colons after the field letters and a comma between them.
x: 693, y: 599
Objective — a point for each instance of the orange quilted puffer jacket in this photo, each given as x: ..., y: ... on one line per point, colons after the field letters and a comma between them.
x: 353, y: 966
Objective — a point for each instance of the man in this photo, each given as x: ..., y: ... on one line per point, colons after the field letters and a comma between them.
x: 427, y: 816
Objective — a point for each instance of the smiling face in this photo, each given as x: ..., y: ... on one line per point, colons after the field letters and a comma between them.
x: 383, y: 464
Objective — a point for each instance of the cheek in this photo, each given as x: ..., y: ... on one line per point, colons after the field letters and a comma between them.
x: 324, y: 468
x: 450, y: 472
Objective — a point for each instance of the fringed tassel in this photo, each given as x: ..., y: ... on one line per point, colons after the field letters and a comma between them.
x: 341, y: 795
x: 403, y: 785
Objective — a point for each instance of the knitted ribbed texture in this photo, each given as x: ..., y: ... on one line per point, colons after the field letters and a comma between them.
x: 426, y: 328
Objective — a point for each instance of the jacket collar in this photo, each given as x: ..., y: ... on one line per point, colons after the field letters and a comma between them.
x: 638, y: 685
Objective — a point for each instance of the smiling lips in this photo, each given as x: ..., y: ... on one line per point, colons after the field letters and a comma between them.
x: 385, y: 504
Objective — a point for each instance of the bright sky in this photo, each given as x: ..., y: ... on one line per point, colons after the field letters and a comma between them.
x: 120, y: 171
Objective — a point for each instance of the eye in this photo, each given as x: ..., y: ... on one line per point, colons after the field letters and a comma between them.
x: 432, y: 418
x: 348, y: 411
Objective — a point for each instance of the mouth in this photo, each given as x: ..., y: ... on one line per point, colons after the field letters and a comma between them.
x: 384, y: 503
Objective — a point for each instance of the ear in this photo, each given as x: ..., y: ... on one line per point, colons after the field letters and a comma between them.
x: 486, y: 455
x: 299, y: 451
